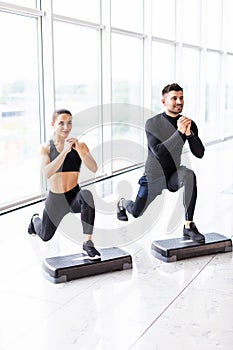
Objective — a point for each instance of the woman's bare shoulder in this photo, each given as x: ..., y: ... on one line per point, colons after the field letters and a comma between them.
x: 45, y: 148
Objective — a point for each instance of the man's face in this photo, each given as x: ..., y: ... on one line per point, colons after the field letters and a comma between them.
x: 173, y: 102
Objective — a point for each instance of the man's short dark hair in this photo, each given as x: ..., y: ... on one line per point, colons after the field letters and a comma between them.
x: 57, y: 112
x: 171, y: 87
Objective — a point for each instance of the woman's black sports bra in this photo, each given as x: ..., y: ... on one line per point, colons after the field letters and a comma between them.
x: 72, y: 161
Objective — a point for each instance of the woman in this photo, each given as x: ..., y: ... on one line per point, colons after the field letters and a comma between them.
x: 61, y: 159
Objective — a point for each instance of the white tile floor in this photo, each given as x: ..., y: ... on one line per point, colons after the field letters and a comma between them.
x: 156, y: 305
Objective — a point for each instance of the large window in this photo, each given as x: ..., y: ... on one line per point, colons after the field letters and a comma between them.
x: 127, y: 14
x: 163, y: 71
x: 228, y: 124
x: 19, y: 108
x: 228, y: 24
x: 163, y: 19
x: 127, y: 117
x: 76, y: 61
x: 27, y: 3
x: 191, y: 28
x: 126, y: 69
x: 77, y: 80
x: 214, y: 24
x: 190, y: 81
x: 88, y: 10
x: 106, y: 61
x: 212, y: 112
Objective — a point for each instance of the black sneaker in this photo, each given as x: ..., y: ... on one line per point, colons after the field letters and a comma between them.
x: 89, y: 249
x: 31, y: 228
x: 121, y: 212
x: 193, y: 233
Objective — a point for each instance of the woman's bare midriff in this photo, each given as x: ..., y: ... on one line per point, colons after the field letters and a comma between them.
x: 63, y: 182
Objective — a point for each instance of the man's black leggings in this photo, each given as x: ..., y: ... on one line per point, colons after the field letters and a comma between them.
x: 150, y: 188
x: 57, y: 205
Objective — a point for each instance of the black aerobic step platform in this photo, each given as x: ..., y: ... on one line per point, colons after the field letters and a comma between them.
x: 66, y: 268
x: 174, y: 249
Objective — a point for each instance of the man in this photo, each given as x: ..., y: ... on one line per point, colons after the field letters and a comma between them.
x: 166, y: 134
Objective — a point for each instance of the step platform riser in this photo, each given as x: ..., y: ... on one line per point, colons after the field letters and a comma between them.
x: 170, y: 250
x: 61, y: 269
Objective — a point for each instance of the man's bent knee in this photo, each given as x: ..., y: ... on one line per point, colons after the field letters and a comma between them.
x: 189, y: 176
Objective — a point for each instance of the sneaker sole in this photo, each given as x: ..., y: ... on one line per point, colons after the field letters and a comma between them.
x: 200, y: 241
x: 125, y: 218
x: 30, y: 230
x: 96, y: 257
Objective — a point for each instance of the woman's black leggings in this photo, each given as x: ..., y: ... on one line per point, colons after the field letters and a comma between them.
x: 150, y: 188
x: 57, y: 205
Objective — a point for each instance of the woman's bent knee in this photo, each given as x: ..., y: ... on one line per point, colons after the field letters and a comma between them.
x: 87, y: 198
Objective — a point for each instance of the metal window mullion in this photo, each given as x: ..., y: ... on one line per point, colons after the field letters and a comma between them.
x: 214, y: 51
x: 147, y: 56
x: 222, y: 104
x: 106, y: 88
x: 77, y: 21
x: 21, y: 10
x: 42, y: 121
x: 20, y: 203
x: 41, y: 81
x: 191, y: 46
x: 128, y: 33
x: 48, y: 64
x: 163, y: 40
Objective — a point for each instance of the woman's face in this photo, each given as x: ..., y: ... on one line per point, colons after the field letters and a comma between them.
x: 62, y: 125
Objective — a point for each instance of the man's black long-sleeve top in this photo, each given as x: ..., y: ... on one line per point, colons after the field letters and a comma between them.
x: 165, y: 144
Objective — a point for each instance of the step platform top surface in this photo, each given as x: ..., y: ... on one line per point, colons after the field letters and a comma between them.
x: 107, y: 254
x: 182, y: 242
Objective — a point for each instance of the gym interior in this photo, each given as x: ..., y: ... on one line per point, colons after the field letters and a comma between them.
x: 107, y: 61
